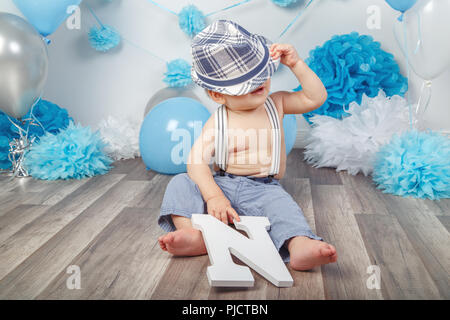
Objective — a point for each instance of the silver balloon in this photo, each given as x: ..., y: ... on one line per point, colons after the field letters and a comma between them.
x: 167, y: 93
x: 23, y: 65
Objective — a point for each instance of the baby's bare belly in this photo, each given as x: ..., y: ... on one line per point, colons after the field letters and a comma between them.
x: 250, y: 163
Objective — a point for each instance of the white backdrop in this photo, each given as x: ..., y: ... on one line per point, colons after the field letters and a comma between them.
x: 93, y: 85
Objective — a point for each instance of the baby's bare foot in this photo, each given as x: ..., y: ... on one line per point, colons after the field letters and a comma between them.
x: 183, y: 242
x: 306, y: 253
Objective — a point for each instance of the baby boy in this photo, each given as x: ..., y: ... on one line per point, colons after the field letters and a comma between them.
x: 246, y: 138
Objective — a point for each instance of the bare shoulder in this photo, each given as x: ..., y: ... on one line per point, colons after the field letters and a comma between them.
x: 277, y: 98
x: 209, y: 124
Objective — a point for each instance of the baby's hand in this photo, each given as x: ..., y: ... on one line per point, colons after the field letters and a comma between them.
x: 220, y: 207
x: 287, y: 52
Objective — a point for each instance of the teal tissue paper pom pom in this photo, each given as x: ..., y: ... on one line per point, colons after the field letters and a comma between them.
x: 284, y: 3
x: 191, y: 20
x: 350, y: 66
x: 74, y: 153
x: 103, y: 38
x: 415, y: 164
x: 178, y: 73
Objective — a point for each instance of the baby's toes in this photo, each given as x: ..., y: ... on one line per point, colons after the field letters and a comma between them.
x: 333, y: 258
x: 326, y: 251
x: 333, y: 249
x: 162, y: 244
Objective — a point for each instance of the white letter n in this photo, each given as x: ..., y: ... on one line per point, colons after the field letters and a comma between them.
x: 258, y: 252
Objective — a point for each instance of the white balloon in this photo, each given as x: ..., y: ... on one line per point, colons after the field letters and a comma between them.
x: 426, y: 28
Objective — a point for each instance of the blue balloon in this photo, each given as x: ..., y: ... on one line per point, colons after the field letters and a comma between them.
x: 45, y: 15
x: 401, y: 5
x: 168, y: 133
x: 290, y: 131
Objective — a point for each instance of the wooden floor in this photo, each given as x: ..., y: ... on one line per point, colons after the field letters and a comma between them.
x: 107, y: 226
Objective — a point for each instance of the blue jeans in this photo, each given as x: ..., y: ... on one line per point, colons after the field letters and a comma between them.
x: 248, y: 196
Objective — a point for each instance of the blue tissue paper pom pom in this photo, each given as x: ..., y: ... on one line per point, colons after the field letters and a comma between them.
x: 49, y: 115
x: 74, y: 152
x: 191, y: 20
x: 415, y: 164
x: 103, y: 38
x: 6, y: 135
x: 178, y: 73
x: 284, y: 3
x: 349, y: 66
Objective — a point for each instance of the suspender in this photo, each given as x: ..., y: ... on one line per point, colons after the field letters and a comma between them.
x: 221, y: 137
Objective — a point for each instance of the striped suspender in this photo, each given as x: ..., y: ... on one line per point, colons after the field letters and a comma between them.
x: 276, y: 136
x: 221, y: 137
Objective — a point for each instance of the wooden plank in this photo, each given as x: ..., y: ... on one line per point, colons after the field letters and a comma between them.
x: 37, y: 192
x: 10, y: 200
x: 296, y: 167
x: 124, y: 166
x: 402, y: 273
x: 428, y: 236
x: 364, y: 196
x: 31, y: 277
x: 15, y: 219
x: 335, y: 222
x: 154, y: 194
x: 36, y: 185
x: 438, y: 207
x: 307, y: 284
x: 8, y: 183
x: 184, y: 278
x: 50, y: 192
x: 324, y: 176
x: 445, y: 220
x: 123, y: 262
x: 28, y: 239
x: 140, y: 172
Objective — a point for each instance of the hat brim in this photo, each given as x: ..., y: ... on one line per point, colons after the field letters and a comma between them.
x: 250, y: 85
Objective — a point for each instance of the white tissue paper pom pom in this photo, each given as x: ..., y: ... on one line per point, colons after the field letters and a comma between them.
x: 122, y: 138
x: 351, y: 143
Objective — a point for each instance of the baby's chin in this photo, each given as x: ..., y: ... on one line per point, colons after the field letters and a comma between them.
x: 248, y: 107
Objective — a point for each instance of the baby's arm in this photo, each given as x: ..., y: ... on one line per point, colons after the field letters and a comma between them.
x: 313, y: 93
x: 198, y: 170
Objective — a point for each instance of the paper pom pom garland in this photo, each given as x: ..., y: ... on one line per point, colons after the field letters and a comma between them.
x: 103, y: 38
x: 351, y: 65
x: 122, y: 138
x: 191, y: 20
x: 284, y: 3
x: 75, y: 152
x: 178, y: 73
x: 415, y: 164
x: 351, y: 144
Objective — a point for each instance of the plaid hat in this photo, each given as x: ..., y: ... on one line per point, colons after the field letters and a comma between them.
x: 229, y: 59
